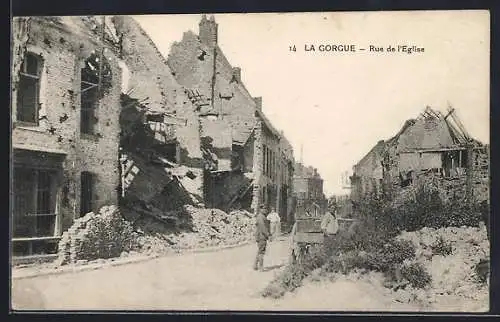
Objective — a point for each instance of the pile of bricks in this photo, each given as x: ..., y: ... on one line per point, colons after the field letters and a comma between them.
x: 102, y: 235
x: 208, y: 228
x: 106, y: 234
x: 215, y: 227
x: 481, y: 174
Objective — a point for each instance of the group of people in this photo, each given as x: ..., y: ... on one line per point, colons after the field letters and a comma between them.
x: 268, y: 227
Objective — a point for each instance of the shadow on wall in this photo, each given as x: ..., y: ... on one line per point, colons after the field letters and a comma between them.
x: 186, y: 160
x: 218, y: 153
x: 158, y: 216
x: 228, y: 190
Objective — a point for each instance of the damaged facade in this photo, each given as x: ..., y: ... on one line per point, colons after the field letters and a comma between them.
x: 308, y: 190
x: 162, y: 160
x: 248, y: 162
x: 65, y: 129
x: 100, y: 117
x: 433, y: 149
x: 368, y: 174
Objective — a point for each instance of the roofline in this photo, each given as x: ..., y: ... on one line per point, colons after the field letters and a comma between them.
x: 247, y: 139
x: 380, y: 143
x: 268, y: 123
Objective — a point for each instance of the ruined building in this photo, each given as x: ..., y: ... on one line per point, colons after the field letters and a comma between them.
x: 65, y: 129
x: 100, y: 117
x: 161, y: 154
x: 433, y: 150
x: 251, y: 163
x: 308, y: 190
x: 368, y: 176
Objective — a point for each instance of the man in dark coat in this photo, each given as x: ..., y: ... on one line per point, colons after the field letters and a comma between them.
x: 261, y: 236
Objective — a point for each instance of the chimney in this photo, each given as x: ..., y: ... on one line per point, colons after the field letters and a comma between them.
x: 258, y: 102
x: 237, y: 74
x: 208, y: 30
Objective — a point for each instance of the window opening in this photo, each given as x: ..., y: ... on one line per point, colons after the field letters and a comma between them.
x: 28, y: 95
x: 95, y: 83
x: 34, y: 202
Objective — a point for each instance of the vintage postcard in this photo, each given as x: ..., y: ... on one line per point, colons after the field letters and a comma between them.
x: 329, y: 161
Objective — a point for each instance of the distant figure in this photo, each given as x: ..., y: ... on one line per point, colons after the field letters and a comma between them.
x: 261, y: 237
x: 274, y: 224
x: 330, y: 226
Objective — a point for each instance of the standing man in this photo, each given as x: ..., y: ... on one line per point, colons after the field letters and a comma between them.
x: 261, y: 237
x: 330, y: 226
x: 274, y: 224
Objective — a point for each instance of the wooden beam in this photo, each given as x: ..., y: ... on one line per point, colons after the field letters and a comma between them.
x: 27, y: 239
x: 450, y: 111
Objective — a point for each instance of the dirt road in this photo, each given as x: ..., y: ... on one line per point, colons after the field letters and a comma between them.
x: 222, y: 280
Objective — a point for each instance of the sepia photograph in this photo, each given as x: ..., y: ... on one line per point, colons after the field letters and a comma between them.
x: 308, y: 161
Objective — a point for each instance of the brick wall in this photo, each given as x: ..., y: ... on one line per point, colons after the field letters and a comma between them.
x: 150, y: 76
x: 219, y: 133
x: 369, y: 172
x: 257, y: 167
x: 248, y: 153
x: 63, y: 48
x: 226, y: 186
x: 199, y: 64
x: 192, y: 62
x: 456, y: 187
x: 277, y: 182
x: 481, y: 173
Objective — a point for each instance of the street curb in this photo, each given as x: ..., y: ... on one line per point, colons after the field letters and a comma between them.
x: 124, y: 261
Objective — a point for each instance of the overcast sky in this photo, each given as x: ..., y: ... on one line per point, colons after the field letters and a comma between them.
x: 338, y: 105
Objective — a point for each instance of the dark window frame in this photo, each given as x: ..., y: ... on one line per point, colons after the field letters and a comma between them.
x: 43, y: 205
x: 27, y: 75
x: 90, y: 93
x: 88, y: 106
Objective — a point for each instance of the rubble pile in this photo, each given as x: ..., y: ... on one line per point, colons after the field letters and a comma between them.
x: 453, y: 274
x: 107, y: 234
x: 96, y: 235
x: 216, y: 227
x: 206, y: 228
x: 451, y: 256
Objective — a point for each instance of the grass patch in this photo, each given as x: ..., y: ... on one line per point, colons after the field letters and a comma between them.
x: 442, y: 247
x: 416, y: 275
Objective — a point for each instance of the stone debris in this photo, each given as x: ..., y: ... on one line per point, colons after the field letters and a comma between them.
x: 208, y: 228
x: 452, y: 274
x: 108, y: 235
x: 454, y: 283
